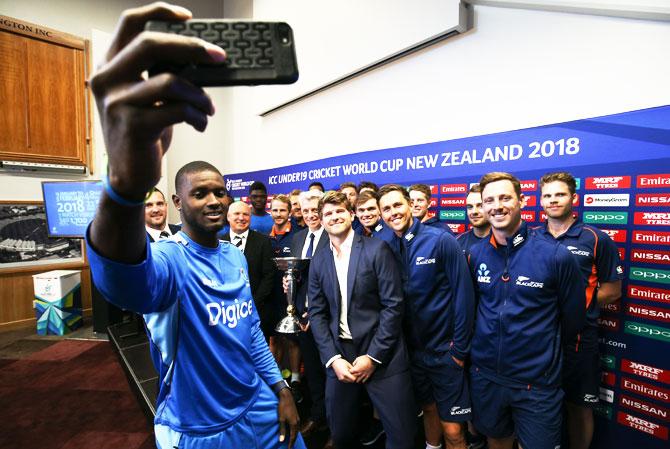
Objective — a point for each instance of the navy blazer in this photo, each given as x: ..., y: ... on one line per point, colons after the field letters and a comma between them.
x: 296, y: 251
x: 173, y: 229
x: 374, y: 304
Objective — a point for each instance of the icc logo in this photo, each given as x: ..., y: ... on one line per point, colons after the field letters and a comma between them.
x: 229, y: 184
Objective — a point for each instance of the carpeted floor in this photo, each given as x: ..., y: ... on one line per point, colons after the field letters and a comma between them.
x: 68, y: 394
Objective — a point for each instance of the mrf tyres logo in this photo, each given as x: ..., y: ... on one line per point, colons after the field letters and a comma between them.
x: 602, y: 217
x: 424, y: 261
x: 642, y: 425
x: 652, y: 218
x: 483, y: 274
x: 607, y: 182
x: 526, y: 282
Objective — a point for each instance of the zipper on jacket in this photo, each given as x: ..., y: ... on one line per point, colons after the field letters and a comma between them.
x: 505, y: 278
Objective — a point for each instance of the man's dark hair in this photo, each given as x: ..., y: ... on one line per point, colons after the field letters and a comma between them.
x: 475, y: 188
x: 344, y: 185
x: 388, y: 188
x: 257, y: 185
x: 335, y: 198
x: 561, y: 176
x: 423, y: 188
x: 368, y: 185
x: 501, y: 176
x: 295, y: 192
x: 193, y: 167
x: 367, y: 196
x: 316, y: 184
x: 155, y: 189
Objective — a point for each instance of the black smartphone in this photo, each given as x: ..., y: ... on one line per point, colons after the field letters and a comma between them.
x: 258, y: 52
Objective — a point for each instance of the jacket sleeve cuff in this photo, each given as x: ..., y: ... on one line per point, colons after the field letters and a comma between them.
x: 378, y: 362
x: 332, y: 359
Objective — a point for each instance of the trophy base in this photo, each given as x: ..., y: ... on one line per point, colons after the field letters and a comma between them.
x: 288, y: 325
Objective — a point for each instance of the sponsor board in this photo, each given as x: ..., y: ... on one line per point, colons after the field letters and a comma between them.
x: 645, y: 389
x: 452, y: 214
x: 650, y: 256
x: 543, y: 216
x: 433, y: 189
x: 604, y: 217
x: 653, y: 199
x: 528, y: 215
x: 608, y: 378
x: 578, y: 182
x: 576, y: 200
x: 528, y: 185
x: 433, y: 203
x: 608, y: 361
x: 649, y: 312
x: 237, y: 184
x: 456, y: 228
x: 642, y: 425
x: 608, y: 323
x: 649, y: 293
x: 612, y: 343
x: 604, y: 200
x: 653, y: 181
x: 645, y: 407
x: 614, y: 307
x: 530, y: 201
x: 622, y: 253
x: 650, y: 372
x: 446, y: 189
x: 606, y: 395
x: 431, y: 213
x: 452, y: 202
x: 647, y: 331
x: 607, y: 182
x: 603, y: 410
x: 652, y: 218
x: 617, y: 235
x: 649, y: 275
x: 651, y: 237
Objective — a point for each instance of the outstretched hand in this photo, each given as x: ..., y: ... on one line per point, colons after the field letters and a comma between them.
x: 137, y: 114
x: 288, y: 416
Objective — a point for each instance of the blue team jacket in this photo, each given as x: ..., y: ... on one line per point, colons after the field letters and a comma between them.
x: 439, y: 295
x: 530, y: 294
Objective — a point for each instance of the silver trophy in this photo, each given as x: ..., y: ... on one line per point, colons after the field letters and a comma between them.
x: 291, y: 266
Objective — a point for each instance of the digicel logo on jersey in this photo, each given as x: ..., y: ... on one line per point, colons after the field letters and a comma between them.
x: 649, y: 181
x: 649, y: 312
x: 452, y: 202
x: 642, y: 425
x: 645, y: 407
x: 649, y: 293
x: 528, y: 215
x: 652, y: 218
x: 651, y: 237
x: 528, y: 186
x: 446, y: 189
x: 650, y: 256
x: 645, y: 389
x: 607, y: 182
x: 650, y: 372
x: 456, y: 228
x: 652, y: 199
x: 608, y: 323
x: 618, y: 235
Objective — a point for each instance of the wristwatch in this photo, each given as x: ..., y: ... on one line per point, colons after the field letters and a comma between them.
x: 279, y: 386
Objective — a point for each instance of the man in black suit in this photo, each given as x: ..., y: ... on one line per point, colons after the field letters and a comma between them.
x: 155, y: 217
x: 305, y: 244
x: 356, y: 311
x: 258, y: 252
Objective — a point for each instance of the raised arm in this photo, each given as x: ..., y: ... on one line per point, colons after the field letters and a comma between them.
x: 137, y: 115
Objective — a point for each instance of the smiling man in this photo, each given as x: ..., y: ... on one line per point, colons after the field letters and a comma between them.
x: 261, y: 221
x: 224, y: 388
x: 356, y: 308
x: 530, y: 295
x: 367, y: 212
x: 598, y: 259
x: 155, y: 217
x: 475, y: 212
x: 420, y: 195
x: 439, y: 316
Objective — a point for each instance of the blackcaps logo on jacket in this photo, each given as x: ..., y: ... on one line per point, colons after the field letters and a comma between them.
x: 526, y: 282
x: 483, y: 274
x: 424, y: 261
x: 578, y: 252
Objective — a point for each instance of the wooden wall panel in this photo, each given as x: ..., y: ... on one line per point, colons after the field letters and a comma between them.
x: 17, y: 294
x: 13, y: 92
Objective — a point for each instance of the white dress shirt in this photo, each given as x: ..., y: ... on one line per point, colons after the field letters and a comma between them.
x: 156, y: 234
x: 341, y: 259
x: 244, y: 236
x: 317, y: 236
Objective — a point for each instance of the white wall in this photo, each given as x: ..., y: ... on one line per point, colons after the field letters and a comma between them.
x: 516, y: 68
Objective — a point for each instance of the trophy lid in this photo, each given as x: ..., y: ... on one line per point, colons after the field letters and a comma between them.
x: 287, y: 263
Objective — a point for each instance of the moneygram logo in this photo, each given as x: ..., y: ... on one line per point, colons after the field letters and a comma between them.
x: 659, y: 180
x: 452, y: 202
x: 642, y: 370
x: 650, y: 256
x: 649, y: 275
x: 649, y: 313
x: 451, y: 214
x: 617, y: 235
x: 606, y: 217
x: 649, y: 293
x: 651, y: 237
x: 608, y: 182
x: 652, y: 199
x: 652, y: 218
x: 642, y: 425
x: 647, y: 331
x: 603, y: 200
x: 453, y: 188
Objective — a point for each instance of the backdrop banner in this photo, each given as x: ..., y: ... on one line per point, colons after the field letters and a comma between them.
x: 622, y: 165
